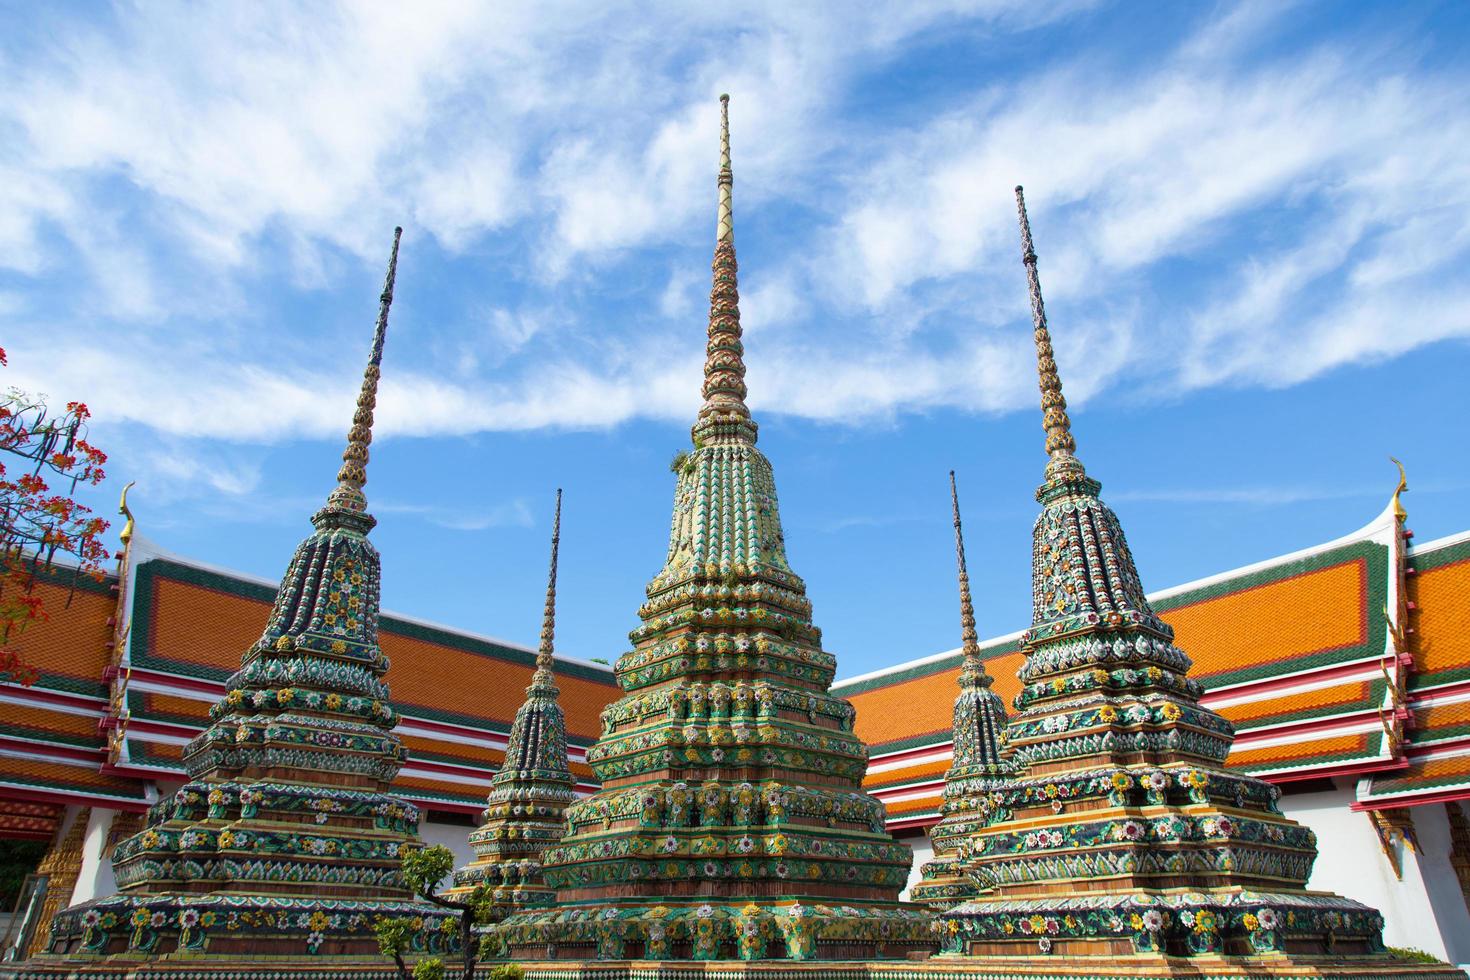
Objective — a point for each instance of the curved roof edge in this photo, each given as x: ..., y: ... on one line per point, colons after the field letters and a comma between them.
x: 1381, y: 527
x: 145, y: 549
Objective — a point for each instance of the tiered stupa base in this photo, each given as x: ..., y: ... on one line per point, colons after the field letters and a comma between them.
x: 1228, y: 923
x: 236, y: 929
x: 714, y: 929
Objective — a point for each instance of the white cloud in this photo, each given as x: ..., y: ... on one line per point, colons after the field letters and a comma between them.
x: 1209, y: 217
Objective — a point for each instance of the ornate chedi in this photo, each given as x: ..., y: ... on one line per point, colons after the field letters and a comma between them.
x: 530, y: 792
x: 977, y: 766
x: 285, y: 842
x: 730, y: 822
x: 1122, y: 833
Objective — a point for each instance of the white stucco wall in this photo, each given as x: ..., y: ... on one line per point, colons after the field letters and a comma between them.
x: 1426, y: 909
x: 455, y: 836
x: 923, y: 851
x: 95, y: 879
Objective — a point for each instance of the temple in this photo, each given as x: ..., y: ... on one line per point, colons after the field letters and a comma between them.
x: 1123, y: 831
x: 724, y: 798
x: 532, y: 788
x: 731, y: 820
x: 285, y: 841
x: 978, y: 765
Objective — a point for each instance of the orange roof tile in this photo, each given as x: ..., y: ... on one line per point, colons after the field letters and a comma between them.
x: 73, y: 644
x: 919, y: 805
x: 1353, y: 694
x: 44, y: 775
x: 891, y: 777
x: 1278, y: 756
x: 924, y: 705
x: 1442, y: 620
x: 43, y: 720
x: 1438, y: 717
x: 1280, y: 620
x: 1425, y: 775
x: 199, y: 623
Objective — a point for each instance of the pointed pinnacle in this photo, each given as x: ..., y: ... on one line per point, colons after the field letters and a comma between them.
x: 972, y: 669
x: 724, y: 413
x: 1060, y: 446
x: 353, y: 475
x: 542, y: 679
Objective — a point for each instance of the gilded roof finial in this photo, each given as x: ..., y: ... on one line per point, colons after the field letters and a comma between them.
x: 1063, y: 464
x: 542, y: 679
x: 724, y: 413
x: 352, y: 476
x: 1403, y: 487
x: 972, y: 669
x: 126, y: 534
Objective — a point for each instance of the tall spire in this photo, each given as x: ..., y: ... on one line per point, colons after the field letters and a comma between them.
x: 724, y: 415
x: 972, y: 669
x: 542, y: 679
x: 1063, y: 465
x: 352, y: 476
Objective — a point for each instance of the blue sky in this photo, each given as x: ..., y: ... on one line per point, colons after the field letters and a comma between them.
x: 1253, y: 222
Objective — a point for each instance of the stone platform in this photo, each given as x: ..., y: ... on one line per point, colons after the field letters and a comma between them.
x: 1004, y: 968
x: 1270, y: 967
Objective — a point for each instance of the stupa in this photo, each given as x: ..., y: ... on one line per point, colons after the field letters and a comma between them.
x: 283, y: 848
x: 1122, y: 836
x: 731, y: 820
x: 977, y: 765
x: 531, y: 790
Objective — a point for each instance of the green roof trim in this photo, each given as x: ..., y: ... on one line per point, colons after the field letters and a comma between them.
x: 142, y: 652
x: 989, y: 651
x: 1445, y: 554
x: 50, y: 737
x: 1397, y: 783
x: 84, y: 788
x: 1374, y: 557
x: 1371, y: 750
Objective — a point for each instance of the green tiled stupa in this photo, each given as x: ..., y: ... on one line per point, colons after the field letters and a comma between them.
x: 731, y: 820
x: 285, y: 844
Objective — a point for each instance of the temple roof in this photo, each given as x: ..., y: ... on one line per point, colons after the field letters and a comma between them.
x: 1438, y: 746
x: 1287, y: 648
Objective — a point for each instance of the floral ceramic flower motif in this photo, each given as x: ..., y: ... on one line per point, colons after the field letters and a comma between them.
x: 705, y: 911
x: 91, y: 918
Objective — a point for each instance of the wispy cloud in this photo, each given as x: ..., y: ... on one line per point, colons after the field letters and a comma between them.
x: 513, y: 513
x: 1213, y: 216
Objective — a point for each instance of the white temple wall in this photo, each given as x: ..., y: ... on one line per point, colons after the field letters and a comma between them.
x: 1431, y: 863
x: 95, y: 878
x: 1426, y: 909
x: 451, y: 832
x: 923, y: 852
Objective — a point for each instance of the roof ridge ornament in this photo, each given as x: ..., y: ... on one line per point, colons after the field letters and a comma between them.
x: 352, y: 476
x: 543, y: 681
x: 724, y: 416
x: 1403, y: 487
x: 972, y: 669
x: 1063, y: 466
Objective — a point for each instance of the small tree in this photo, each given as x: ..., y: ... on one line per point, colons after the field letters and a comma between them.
x: 393, y: 939
x: 424, y: 869
x: 37, y: 523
